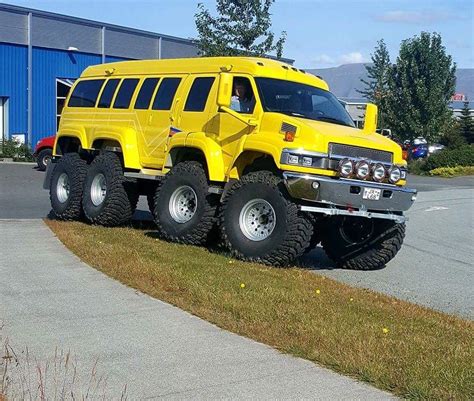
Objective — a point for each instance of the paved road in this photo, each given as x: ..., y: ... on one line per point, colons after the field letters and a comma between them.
x: 434, y: 268
x: 49, y: 299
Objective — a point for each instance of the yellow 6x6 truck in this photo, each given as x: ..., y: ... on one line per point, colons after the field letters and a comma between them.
x: 255, y: 147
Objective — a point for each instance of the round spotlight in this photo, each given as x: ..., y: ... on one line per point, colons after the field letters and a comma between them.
x: 378, y: 172
x: 394, y: 174
x: 346, y: 168
x: 362, y: 169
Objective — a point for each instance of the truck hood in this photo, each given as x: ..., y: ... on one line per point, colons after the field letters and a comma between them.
x: 326, y: 133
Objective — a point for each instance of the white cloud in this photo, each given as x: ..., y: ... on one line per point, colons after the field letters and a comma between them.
x: 414, y: 17
x: 348, y: 58
x: 352, y: 58
x: 324, y: 59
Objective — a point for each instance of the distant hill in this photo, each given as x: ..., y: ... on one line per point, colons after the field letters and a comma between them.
x: 345, y: 80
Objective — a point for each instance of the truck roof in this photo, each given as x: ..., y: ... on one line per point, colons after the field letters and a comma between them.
x: 255, y: 66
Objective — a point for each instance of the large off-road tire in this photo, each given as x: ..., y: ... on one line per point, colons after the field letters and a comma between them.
x: 44, y: 158
x: 359, y: 243
x: 66, y: 185
x: 109, y: 199
x: 260, y: 223
x: 184, y: 210
x: 316, y: 221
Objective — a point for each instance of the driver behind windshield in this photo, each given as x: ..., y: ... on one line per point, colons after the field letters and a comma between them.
x: 243, y: 100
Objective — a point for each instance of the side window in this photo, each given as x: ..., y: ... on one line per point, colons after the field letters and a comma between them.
x: 198, y: 94
x: 165, y: 94
x: 85, y: 93
x: 108, y: 93
x: 125, y: 93
x: 146, y: 92
x: 243, y: 98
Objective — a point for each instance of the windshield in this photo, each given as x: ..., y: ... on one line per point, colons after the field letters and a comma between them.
x: 301, y: 100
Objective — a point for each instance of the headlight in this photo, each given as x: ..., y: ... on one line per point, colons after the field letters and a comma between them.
x: 346, y: 168
x: 378, y: 172
x: 362, y: 170
x: 293, y: 159
x: 307, y: 161
x: 394, y: 174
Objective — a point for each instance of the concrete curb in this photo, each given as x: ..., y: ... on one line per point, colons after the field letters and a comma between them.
x: 20, y: 163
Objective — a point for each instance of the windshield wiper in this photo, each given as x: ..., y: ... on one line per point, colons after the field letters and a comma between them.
x: 293, y: 113
x: 333, y: 120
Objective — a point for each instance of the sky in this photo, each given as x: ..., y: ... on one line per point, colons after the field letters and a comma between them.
x: 320, y: 33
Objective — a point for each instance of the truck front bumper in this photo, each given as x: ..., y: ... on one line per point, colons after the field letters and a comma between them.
x: 345, y: 196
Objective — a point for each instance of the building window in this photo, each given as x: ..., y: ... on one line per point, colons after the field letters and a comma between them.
x: 146, y: 93
x: 63, y: 86
x: 198, y: 94
x: 85, y: 93
x: 125, y: 93
x: 165, y: 95
x: 108, y: 93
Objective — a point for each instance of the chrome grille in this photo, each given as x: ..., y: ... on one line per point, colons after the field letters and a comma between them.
x: 338, y: 150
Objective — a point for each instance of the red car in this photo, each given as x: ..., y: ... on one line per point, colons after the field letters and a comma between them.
x: 44, y: 151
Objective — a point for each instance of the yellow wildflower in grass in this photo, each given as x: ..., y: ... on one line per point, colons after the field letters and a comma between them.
x: 385, y: 330
x: 318, y: 292
x: 242, y: 285
x: 351, y: 299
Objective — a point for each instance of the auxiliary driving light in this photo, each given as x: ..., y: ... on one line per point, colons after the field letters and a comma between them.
x: 346, y: 168
x: 362, y: 169
x: 394, y: 174
x: 378, y: 173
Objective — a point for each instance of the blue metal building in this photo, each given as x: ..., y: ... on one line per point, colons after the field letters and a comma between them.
x: 42, y: 53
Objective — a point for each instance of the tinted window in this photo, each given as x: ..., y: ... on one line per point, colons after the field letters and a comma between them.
x: 85, y: 93
x: 146, y: 92
x: 125, y: 93
x: 108, y: 93
x: 301, y: 100
x: 165, y: 95
x: 198, y: 94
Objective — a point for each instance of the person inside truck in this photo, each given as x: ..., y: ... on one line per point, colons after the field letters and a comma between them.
x: 243, y: 100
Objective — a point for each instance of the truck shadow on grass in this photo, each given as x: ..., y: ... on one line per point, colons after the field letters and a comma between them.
x: 142, y: 220
x: 314, y: 260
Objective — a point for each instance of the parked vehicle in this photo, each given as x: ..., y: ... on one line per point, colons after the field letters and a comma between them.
x: 257, y: 147
x: 44, y: 151
x: 435, y: 148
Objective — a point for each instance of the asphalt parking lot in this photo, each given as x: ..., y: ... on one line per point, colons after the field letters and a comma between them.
x: 434, y: 267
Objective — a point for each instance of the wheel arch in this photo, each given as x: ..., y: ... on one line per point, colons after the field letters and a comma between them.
x: 253, y: 160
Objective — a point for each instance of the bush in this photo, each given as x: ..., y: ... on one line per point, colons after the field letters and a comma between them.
x: 453, y: 171
x: 463, y: 156
x: 17, y: 152
x: 416, y: 166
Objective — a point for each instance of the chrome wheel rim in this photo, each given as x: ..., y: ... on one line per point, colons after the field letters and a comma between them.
x: 183, y: 204
x: 257, y: 220
x: 62, y: 188
x: 98, y: 189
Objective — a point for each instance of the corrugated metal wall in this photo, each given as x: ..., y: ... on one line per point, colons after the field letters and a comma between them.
x: 51, y: 36
x: 47, y: 66
x: 14, y: 85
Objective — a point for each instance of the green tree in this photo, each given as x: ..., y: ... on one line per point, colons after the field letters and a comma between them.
x: 242, y: 27
x: 376, y: 86
x: 451, y: 134
x: 466, y: 123
x: 420, y: 87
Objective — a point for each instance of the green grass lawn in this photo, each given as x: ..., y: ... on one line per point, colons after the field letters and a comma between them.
x: 407, y: 349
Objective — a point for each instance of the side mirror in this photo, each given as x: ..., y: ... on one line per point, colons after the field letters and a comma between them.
x: 224, y: 93
x: 370, y: 120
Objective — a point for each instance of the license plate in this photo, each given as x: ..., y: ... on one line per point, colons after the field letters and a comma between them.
x: 371, y: 193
